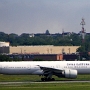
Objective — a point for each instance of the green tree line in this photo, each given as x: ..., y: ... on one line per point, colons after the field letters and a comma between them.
x: 25, y: 39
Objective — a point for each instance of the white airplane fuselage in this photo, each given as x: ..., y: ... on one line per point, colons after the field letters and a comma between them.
x: 32, y: 67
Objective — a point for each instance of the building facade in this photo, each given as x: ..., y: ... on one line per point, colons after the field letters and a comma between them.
x: 43, y: 49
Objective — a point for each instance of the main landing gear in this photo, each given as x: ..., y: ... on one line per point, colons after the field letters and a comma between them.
x: 47, y: 79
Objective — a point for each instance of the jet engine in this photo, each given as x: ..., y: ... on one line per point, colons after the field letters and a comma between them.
x: 68, y: 73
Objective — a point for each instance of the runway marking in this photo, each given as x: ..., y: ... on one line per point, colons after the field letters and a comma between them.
x: 12, y: 83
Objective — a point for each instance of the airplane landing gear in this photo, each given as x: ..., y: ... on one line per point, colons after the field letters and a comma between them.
x: 47, y: 79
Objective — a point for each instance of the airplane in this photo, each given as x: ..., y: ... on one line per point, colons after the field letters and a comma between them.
x: 46, y: 69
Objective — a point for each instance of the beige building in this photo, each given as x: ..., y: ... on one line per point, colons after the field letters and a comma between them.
x: 48, y: 49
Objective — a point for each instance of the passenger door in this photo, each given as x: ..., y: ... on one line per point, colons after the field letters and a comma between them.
x: 29, y: 67
x: 0, y: 67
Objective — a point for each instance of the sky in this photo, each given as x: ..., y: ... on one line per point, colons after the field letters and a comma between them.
x: 37, y: 16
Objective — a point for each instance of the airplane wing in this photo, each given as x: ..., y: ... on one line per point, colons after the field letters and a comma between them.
x: 60, y: 72
x: 51, y: 70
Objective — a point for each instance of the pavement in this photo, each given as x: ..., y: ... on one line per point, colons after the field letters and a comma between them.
x: 29, y: 82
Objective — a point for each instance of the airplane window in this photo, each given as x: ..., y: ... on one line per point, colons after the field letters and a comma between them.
x: 87, y: 64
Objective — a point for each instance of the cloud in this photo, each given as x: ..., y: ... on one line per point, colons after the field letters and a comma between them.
x: 36, y: 16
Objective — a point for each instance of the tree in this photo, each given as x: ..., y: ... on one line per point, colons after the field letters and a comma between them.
x: 47, y: 32
x: 4, y: 58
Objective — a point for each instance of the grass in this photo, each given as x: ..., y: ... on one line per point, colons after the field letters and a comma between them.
x: 49, y: 86
x: 42, y: 86
x: 36, y: 78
